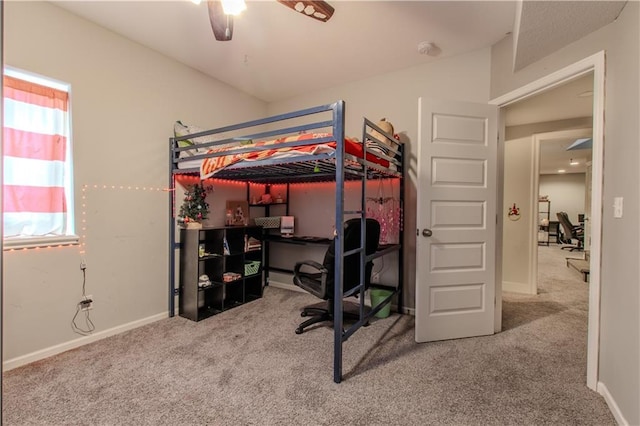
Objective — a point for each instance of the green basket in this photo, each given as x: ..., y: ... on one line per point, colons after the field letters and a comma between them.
x: 251, y: 268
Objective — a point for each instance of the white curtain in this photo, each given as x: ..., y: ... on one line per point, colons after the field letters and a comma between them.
x: 35, y: 143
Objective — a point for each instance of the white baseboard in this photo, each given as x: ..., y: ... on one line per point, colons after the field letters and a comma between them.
x: 409, y: 311
x: 615, y: 410
x: 63, y: 347
x: 514, y: 287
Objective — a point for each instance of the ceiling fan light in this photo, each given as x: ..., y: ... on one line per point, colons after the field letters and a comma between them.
x: 233, y: 7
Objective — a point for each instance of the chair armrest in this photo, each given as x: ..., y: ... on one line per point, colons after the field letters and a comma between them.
x: 314, y: 282
x: 310, y: 263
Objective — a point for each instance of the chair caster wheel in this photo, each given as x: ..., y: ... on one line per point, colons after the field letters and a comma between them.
x: 299, y: 331
x: 366, y: 324
x: 303, y: 314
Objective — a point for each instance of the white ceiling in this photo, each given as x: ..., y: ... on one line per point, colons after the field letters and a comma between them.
x: 555, y: 157
x: 277, y: 53
x: 542, y: 27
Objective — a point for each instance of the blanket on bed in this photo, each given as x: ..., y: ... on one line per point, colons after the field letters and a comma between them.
x: 210, y: 166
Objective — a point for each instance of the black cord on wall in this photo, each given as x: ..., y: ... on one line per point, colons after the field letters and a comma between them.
x: 84, y: 302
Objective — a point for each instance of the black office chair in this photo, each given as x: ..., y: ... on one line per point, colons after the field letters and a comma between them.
x: 571, y: 232
x: 318, y: 279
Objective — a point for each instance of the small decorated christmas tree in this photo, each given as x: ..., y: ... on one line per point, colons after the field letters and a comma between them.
x: 195, y: 207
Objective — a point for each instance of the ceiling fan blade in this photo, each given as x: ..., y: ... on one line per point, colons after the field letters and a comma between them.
x: 221, y: 24
x: 320, y: 10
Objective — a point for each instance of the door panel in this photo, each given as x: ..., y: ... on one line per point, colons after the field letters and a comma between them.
x: 457, y: 257
x: 457, y: 298
x: 455, y: 287
x: 458, y: 172
x: 458, y: 214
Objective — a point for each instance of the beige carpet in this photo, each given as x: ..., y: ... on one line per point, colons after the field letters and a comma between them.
x: 247, y: 367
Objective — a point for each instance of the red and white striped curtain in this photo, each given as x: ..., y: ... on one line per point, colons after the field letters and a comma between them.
x: 35, y: 143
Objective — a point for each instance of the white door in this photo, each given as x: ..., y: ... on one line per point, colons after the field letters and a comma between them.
x: 456, y: 235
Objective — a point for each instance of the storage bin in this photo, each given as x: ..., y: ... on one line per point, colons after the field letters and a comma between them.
x: 268, y: 222
x: 377, y: 296
x: 251, y: 268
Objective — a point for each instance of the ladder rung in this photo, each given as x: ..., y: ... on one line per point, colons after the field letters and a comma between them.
x: 350, y: 252
x: 354, y: 290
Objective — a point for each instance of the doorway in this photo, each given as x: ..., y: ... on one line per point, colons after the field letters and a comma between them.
x: 595, y: 65
x: 540, y: 179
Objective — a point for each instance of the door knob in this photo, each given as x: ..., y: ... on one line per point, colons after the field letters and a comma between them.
x: 426, y: 232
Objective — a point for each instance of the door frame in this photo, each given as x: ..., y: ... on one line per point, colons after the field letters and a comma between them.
x: 596, y: 64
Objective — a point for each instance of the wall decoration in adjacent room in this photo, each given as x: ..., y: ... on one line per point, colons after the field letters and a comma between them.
x: 514, y: 212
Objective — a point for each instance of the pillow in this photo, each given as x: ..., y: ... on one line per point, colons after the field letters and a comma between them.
x: 181, y: 129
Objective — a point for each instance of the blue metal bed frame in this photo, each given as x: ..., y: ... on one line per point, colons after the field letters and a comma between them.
x: 338, y: 167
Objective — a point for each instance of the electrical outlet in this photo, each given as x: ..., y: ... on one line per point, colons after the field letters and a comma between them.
x: 83, y: 265
x: 86, y: 303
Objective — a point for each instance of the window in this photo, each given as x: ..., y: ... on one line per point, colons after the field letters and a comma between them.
x: 37, y: 170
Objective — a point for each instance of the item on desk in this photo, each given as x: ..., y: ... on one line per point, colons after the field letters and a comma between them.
x: 203, y: 281
x: 286, y: 226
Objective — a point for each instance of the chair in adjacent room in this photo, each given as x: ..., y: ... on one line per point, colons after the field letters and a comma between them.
x: 571, y: 232
x: 318, y: 279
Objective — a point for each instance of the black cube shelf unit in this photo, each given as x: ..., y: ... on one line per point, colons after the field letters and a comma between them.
x: 232, y: 260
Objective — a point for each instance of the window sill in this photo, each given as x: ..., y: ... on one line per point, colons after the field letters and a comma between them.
x: 13, y: 243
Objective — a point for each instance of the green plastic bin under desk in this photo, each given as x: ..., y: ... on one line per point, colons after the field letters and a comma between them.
x: 377, y: 296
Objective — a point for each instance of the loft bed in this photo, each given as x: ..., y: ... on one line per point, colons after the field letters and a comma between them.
x: 281, y: 150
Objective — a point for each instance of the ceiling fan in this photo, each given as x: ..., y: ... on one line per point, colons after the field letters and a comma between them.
x: 221, y: 13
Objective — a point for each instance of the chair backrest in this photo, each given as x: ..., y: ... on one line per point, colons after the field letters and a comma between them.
x: 351, y: 265
x: 567, y: 227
